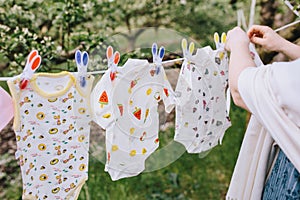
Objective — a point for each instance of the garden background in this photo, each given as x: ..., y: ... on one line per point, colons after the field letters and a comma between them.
x: 58, y: 28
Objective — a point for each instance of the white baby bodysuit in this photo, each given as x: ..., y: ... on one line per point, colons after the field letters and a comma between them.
x: 52, y: 117
x: 127, y: 108
x: 201, y: 115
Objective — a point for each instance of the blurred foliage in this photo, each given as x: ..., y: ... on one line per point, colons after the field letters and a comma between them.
x: 57, y: 28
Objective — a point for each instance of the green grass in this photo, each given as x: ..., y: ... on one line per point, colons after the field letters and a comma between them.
x: 189, y: 177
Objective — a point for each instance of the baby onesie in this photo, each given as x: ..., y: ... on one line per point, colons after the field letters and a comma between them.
x: 52, y: 126
x: 127, y: 108
x: 201, y: 115
x: 6, y: 107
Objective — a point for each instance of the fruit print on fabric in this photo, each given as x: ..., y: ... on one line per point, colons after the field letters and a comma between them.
x: 52, y: 131
x: 103, y: 100
x: 132, y: 129
x: 137, y: 113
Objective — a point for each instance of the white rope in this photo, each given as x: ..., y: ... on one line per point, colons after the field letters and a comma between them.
x: 288, y: 25
x: 172, y: 61
x: 241, y: 20
x: 291, y: 7
x: 103, y: 71
x: 163, y: 63
x: 252, y: 13
x: 5, y: 78
x: 97, y: 72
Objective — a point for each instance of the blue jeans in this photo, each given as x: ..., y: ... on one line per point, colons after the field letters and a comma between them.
x: 283, y: 182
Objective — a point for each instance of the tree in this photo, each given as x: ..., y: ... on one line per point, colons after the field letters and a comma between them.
x: 58, y: 28
x: 55, y: 28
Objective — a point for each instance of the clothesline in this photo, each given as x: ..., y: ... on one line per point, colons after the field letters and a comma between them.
x: 178, y: 59
x: 163, y: 63
x: 241, y: 17
x: 252, y: 13
x: 103, y: 71
x: 288, y: 25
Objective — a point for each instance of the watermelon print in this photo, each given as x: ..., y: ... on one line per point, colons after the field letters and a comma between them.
x: 121, y: 109
x: 103, y: 100
x: 166, y: 92
x: 137, y: 113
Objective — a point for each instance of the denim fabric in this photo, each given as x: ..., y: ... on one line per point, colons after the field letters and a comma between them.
x: 283, y: 182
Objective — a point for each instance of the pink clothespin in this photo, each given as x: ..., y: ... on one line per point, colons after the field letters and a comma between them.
x: 33, y: 62
x: 112, y: 61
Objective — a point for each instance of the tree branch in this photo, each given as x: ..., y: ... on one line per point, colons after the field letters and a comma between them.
x: 64, y: 56
x: 4, y: 66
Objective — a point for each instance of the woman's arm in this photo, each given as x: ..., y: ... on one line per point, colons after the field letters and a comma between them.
x: 271, y: 41
x: 240, y: 58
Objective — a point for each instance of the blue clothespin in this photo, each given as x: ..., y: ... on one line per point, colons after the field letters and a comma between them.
x: 157, y: 57
x: 82, y: 59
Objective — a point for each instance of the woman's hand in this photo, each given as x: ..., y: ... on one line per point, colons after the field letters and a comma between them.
x: 271, y: 41
x: 266, y: 37
x: 236, y: 39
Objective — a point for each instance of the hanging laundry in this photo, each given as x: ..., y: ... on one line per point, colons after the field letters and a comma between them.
x: 6, y: 108
x: 125, y: 103
x: 52, y: 129
x: 201, y: 115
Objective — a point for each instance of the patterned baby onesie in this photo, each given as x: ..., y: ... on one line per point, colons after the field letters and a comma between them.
x: 127, y: 108
x: 52, y: 130
x: 6, y: 107
x: 201, y: 115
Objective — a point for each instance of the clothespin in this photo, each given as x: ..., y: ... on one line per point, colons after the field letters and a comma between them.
x: 186, y: 65
x: 33, y: 62
x: 82, y: 59
x: 187, y: 52
x: 220, y: 46
x: 157, y: 57
x: 112, y: 61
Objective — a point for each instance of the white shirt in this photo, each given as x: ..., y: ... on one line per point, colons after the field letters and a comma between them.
x: 271, y: 93
x: 286, y: 86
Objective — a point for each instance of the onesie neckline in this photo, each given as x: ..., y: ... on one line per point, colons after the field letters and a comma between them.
x: 60, y: 92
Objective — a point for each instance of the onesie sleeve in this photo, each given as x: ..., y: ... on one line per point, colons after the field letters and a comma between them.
x: 101, y: 103
x: 15, y: 93
x: 168, y: 94
x: 6, y: 107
